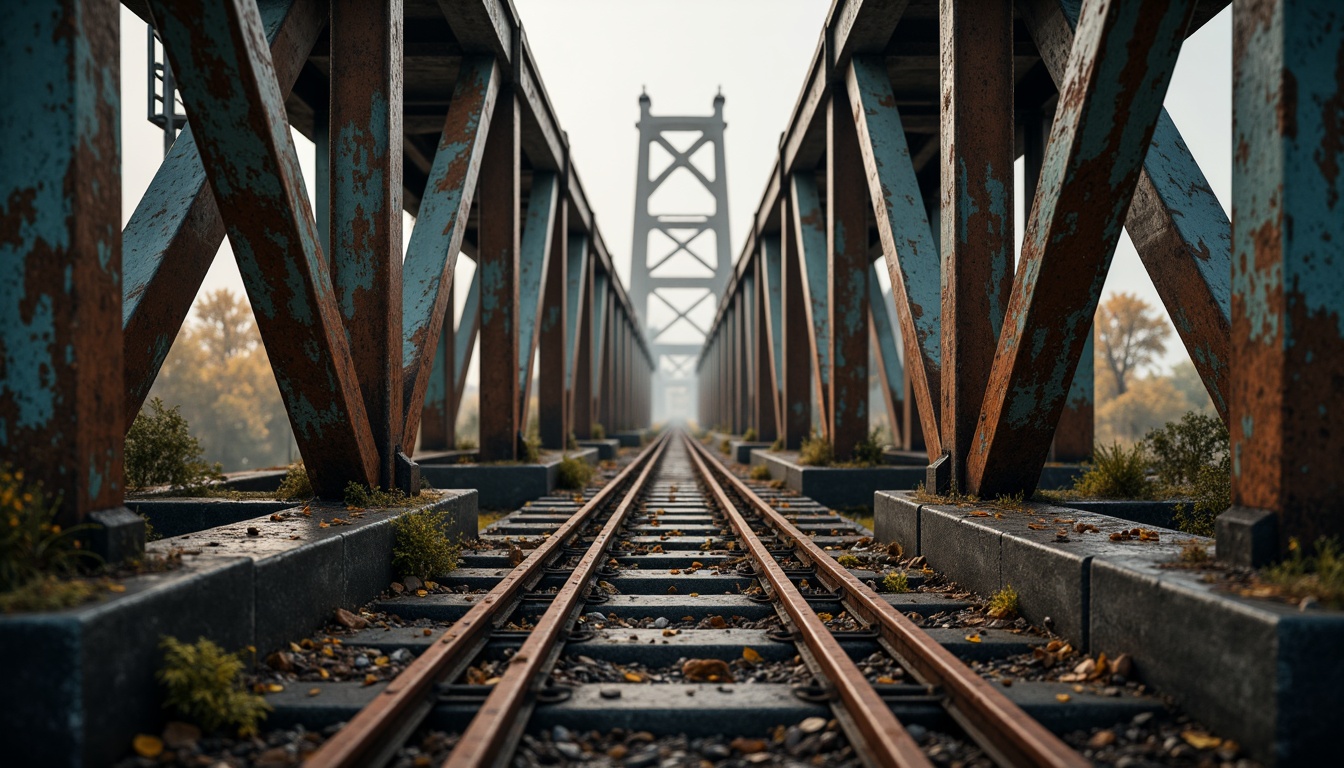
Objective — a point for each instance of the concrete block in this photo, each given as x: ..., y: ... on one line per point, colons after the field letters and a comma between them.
x: 118, y: 535
x: 837, y: 487
x: 964, y: 548
x: 1262, y: 672
x: 1058, y: 476
x: 606, y: 449
x: 503, y: 486
x: 408, y: 475
x: 1158, y: 514
x: 85, y: 684
x: 740, y: 450
x: 896, y: 518
x: 259, y: 481
x: 175, y: 517
x: 1247, y: 537
x: 632, y: 439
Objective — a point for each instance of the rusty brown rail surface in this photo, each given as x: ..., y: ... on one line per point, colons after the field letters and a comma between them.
x: 372, y: 736
x: 877, y: 733
x: 999, y: 726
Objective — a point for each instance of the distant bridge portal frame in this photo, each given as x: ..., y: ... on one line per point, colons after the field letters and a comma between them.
x: 676, y: 273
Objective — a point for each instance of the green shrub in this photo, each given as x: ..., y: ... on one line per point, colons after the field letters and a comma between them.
x: 599, y: 433
x: 760, y: 472
x: 161, y: 451
x: 32, y: 544
x: 1183, y: 449
x: 574, y: 474
x: 422, y: 549
x: 203, y: 687
x: 571, y: 442
x: 1116, y: 474
x: 366, y: 497
x: 815, y: 452
x: 777, y: 446
x: 467, y: 444
x: 896, y: 583
x: 749, y: 436
x: 1212, y: 494
x: 531, y: 449
x: 48, y: 593
x: 296, y: 486
x: 725, y: 446
x: 868, y: 451
x: 1319, y: 574
x: 848, y: 561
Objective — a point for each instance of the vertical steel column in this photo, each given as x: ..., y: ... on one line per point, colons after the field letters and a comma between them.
x: 764, y: 417
x: 1287, y: 283
x: 553, y: 336
x: 582, y: 395
x: 60, y: 253
x: 796, y: 344
x: 365, y: 217
x: 847, y: 267
x: 976, y: 45
x: 500, y: 212
x: 437, y: 427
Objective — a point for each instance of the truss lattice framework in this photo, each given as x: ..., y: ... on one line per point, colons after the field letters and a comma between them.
x: 669, y: 284
x: 365, y: 347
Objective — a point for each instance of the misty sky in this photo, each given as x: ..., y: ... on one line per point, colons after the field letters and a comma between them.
x: 595, y: 55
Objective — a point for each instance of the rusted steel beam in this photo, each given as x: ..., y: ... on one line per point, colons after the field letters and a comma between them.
x: 584, y: 318
x: 553, y: 338
x: 498, y: 264
x: 244, y: 140
x: 172, y: 237
x: 60, y: 253
x: 534, y: 259
x: 437, y: 419
x: 766, y: 405
x: 599, y: 338
x: 977, y: 209
x: 1287, y: 285
x: 795, y: 337
x: 577, y: 279
x: 366, y: 271
x: 1178, y: 227
x: 907, y: 239
x: 847, y: 268
x: 888, y: 360
x: 772, y: 293
x: 1118, y: 73
x: 810, y: 248
x: 431, y: 255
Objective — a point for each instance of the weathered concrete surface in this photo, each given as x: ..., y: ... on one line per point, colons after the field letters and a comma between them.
x: 235, y: 589
x: 606, y: 449
x: 174, y: 517
x: 507, y: 485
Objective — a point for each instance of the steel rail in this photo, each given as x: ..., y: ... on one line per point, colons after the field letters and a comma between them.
x: 999, y: 726
x: 372, y: 736
x: 885, y: 740
x: 497, y: 725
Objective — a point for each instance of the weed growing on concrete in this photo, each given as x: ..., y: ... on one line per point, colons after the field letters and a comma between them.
x: 725, y: 447
x: 816, y: 452
x: 922, y: 496
x: 296, y: 486
x: 868, y: 451
x: 1194, y: 553
x: 598, y: 431
x: 896, y: 583
x: 848, y: 561
x: 33, y: 546
x: 1318, y: 575
x: 571, y: 442
x: 760, y: 472
x: 422, y: 549
x: 749, y: 436
x: 203, y: 687
x: 467, y: 444
x: 1003, y: 604
x: 1183, y: 449
x: 161, y: 451
x: 1117, y: 473
x: 1013, y: 503
x: 574, y: 474
x: 363, y: 496
x: 532, y: 449
x: 777, y: 446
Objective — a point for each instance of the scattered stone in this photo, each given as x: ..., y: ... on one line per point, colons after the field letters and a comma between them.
x: 253, y: 531
x: 350, y: 620
x: 812, y: 725
x: 661, y: 622
x: 179, y: 735
x: 412, y: 583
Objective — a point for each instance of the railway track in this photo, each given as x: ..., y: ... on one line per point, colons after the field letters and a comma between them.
x: 649, y: 609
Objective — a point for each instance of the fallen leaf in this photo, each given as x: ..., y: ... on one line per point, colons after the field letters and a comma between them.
x: 707, y: 670
x: 370, y: 679
x: 752, y: 656
x: 323, y: 524
x: 381, y: 661
x: 1062, y: 698
x: 1035, y: 527
x: 1101, y: 739
x: 314, y: 691
x: 973, y: 638
x: 274, y: 688
x: 979, y: 513
x: 747, y: 746
x: 633, y: 677
x: 114, y: 587
x: 147, y: 746
x: 825, y: 616
x: 671, y: 632
x: 717, y: 622
x: 1200, y: 740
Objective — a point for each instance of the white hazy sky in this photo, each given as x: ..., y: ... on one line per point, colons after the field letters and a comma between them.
x: 595, y: 55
